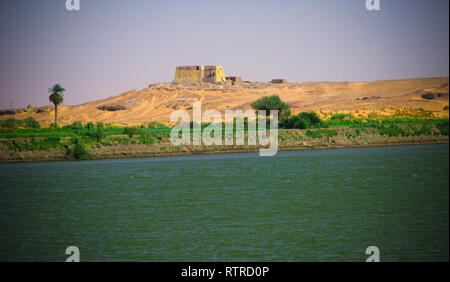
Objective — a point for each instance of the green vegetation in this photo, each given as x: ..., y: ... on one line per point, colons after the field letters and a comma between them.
x: 77, y: 140
x: 269, y: 103
x: 78, y: 151
x: 303, y: 121
x: 13, y: 128
x: 443, y: 126
x: 76, y: 125
x: 33, y: 144
x: 12, y: 123
x: 386, y: 121
x: 156, y: 124
x: 91, y: 126
x: 56, y: 97
x: 31, y: 123
x: 132, y: 131
x: 341, y: 116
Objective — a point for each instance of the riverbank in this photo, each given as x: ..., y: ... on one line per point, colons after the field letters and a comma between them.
x: 119, y: 146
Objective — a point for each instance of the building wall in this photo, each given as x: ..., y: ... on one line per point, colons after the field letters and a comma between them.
x: 198, y: 74
x: 218, y: 74
x: 235, y: 80
x: 278, y: 80
x: 193, y: 74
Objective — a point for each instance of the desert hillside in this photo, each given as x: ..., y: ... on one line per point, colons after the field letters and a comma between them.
x: 157, y: 102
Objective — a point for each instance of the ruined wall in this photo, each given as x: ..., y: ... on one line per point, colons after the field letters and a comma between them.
x: 213, y: 74
x: 235, y: 80
x: 198, y: 74
x: 193, y: 74
x: 278, y: 80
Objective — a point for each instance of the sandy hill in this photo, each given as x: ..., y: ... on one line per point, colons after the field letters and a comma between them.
x: 157, y: 102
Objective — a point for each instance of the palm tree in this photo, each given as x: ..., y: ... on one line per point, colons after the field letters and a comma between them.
x: 56, y: 97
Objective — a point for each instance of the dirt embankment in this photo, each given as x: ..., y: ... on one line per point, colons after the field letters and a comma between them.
x: 288, y: 140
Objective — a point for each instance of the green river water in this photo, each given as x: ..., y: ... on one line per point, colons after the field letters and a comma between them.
x: 317, y: 205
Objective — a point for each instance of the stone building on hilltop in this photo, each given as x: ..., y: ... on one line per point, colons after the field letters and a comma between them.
x: 199, y: 74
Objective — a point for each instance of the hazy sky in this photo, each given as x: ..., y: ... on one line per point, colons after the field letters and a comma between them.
x: 112, y: 46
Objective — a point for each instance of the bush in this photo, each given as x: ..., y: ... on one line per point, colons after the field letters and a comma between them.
x: 90, y: 126
x: 131, y: 131
x: 11, y: 123
x: 34, y: 145
x: 78, y: 151
x: 272, y: 103
x: 424, y: 130
x: 341, y: 116
x: 52, y: 141
x: 303, y: 120
x: 31, y: 123
x: 146, y: 139
x: 76, y: 126
x: 156, y: 124
x: 100, y: 125
x: 446, y: 108
x: 394, y: 130
x: 443, y: 127
x: 95, y: 135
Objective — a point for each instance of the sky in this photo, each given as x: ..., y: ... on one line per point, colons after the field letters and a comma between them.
x: 112, y: 46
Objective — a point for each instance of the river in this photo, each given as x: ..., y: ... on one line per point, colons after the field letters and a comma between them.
x: 317, y: 205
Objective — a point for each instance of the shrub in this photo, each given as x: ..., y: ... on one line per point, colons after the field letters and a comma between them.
x: 54, y: 125
x: 78, y: 151
x: 121, y: 140
x: 146, y: 139
x: 100, y: 125
x: 443, y: 127
x: 90, y: 126
x: 33, y: 144
x: 303, y: 120
x: 446, y: 108
x: 341, y: 116
x: 272, y: 103
x: 76, y: 126
x: 156, y: 124
x: 11, y: 123
x: 131, y: 131
x: 394, y: 130
x: 95, y: 135
x: 53, y: 141
x: 424, y: 130
x: 31, y: 123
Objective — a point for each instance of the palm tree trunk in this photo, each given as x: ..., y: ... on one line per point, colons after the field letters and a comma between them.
x: 56, y: 114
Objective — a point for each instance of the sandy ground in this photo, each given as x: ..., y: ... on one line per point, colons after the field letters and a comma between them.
x: 157, y: 103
